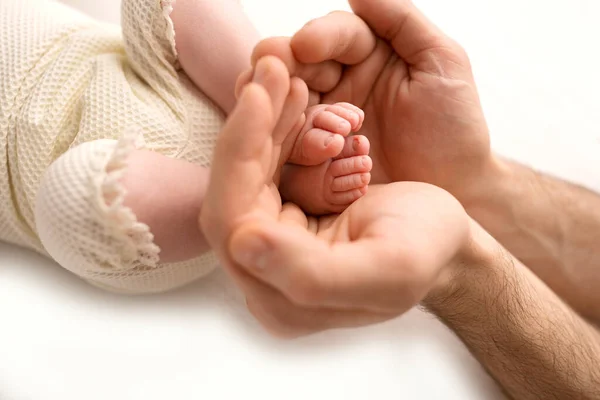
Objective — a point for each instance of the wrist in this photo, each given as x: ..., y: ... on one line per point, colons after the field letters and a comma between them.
x: 489, y: 184
x: 469, y: 274
x: 491, y: 200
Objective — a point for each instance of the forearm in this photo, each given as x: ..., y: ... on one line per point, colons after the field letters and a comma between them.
x: 552, y: 226
x: 534, y: 345
x: 214, y: 40
x: 167, y: 194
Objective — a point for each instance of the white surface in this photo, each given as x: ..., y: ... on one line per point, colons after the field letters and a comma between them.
x: 536, y: 63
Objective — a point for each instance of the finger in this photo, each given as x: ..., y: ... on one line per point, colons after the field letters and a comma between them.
x: 291, y: 117
x: 246, y: 134
x: 339, y: 36
x: 414, y: 38
x: 358, y: 81
x: 291, y: 214
x: 284, y: 319
x: 290, y: 125
x: 242, y: 80
x: 319, y: 77
x: 314, y: 98
x: 278, y: 47
x: 369, y: 273
x: 242, y: 156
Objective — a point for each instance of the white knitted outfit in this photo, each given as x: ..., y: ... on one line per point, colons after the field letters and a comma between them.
x: 75, y: 98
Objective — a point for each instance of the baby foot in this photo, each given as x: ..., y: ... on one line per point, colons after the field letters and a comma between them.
x: 323, y: 134
x: 327, y: 171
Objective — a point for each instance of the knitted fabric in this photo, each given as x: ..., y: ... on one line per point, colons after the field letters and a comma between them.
x: 76, y: 97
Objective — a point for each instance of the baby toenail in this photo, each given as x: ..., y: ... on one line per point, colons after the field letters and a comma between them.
x: 355, y: 143
x: 329, y: 140
x: 345, y: 125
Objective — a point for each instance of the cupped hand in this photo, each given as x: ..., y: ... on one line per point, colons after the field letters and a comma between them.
x: 423, y: 115
x: 300, y: 275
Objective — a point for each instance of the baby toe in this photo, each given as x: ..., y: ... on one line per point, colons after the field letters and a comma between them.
x: 351, y: 165
x: 349, y: 112
x: 348, y: 197
x: 332, y: 122
x: 350, y: 182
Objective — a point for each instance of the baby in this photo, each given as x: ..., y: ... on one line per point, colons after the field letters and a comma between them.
x: 107, y: 137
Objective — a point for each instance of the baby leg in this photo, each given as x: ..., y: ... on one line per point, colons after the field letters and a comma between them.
x: 214, y: 40
x: 166, y: 194
x: 94, y: 216
x: 126, y: 219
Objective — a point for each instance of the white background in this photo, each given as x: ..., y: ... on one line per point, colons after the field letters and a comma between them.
x: 536, y: 63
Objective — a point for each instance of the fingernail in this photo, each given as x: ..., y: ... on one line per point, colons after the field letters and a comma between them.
x: 355, y: 143
x: 251, y: 253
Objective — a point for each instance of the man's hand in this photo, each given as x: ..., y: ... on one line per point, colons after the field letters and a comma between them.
x: 425, y: 123
x: 423, y: 115
x: 378, y: 259
x: 268, y: 109
x: 375, y: 261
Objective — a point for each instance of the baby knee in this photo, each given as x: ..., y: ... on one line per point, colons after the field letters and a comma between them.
x: 85, y: 227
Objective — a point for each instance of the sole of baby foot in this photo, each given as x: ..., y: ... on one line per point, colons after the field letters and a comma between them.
x: 323, y: 135
x: 327, y: 188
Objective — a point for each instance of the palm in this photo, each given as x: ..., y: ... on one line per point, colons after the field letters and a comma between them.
x: 385, y: 208
x: 420, y: 226
x: 422, y: 126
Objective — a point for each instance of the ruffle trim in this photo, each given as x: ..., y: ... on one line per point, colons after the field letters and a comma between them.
x: 167, y: 9
x: 121, y: 220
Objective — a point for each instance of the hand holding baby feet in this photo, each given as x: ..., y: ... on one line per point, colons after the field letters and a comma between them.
x: 323, y: 169
x: 327, y: 170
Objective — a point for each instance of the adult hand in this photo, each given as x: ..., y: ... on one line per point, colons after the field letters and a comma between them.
x: 415, y: 84
x: 383, y: 255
